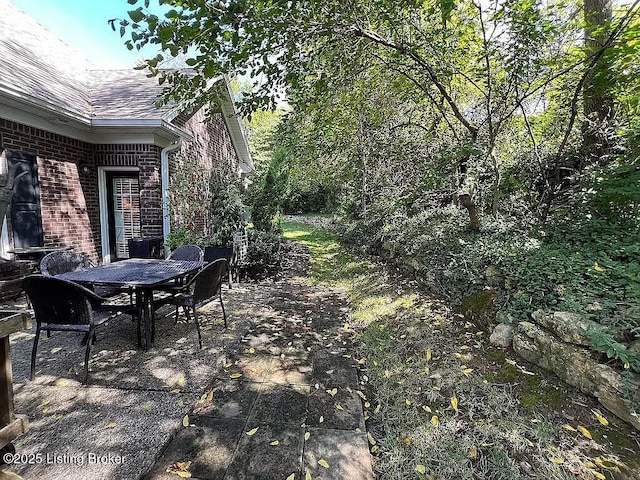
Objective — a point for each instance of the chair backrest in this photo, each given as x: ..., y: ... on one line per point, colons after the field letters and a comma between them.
x: 187, y: 252
x: 208, y: 281
x: 63, y: 261
x: 57, y: 301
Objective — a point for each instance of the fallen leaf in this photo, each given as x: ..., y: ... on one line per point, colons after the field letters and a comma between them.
x: 598, y: 475
x: 600, y: 418
x: 339, y: 407
x: 185, y: 421
x: 180, y: 468
x: 291, y: 477
x: 321, y: 419
x: 558, y: 460
x: 454, y: 403
x: 407, y: 401
x: 421, y: 469
x: 597, y: 267
x: 372, y: 440
x: 428, y: 355
x: 307, y: 435
x: 322, y: 462
x: 235, y: 375
x: 426, y: 408
x: 332, y: 392
x: 308, y: 475
x: 252, y: 432
x: 435, y: 421
x: 473, y: 453
x: 585, y: 432
x: 274, y: 443
x: 56, y: 350
x: 110, y: 425
x: 467, y: 371
x: 566, y: 426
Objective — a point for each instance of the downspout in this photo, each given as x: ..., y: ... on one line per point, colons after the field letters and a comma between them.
x: 164, y: 173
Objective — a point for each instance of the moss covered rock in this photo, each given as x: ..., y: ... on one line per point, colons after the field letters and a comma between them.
x: 578, y: 368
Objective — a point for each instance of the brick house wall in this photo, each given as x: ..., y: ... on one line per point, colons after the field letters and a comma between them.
x: 64, y: 193
x: 69, y: 196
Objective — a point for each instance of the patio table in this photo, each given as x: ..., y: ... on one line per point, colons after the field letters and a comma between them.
x: 140, y: 275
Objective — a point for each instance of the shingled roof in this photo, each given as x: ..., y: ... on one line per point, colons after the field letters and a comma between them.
x: 39, y: 66
x: 46, y: 79
x: 129, y: 93
x: 44, y: 69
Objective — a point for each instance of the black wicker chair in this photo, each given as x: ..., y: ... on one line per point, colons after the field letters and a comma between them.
x: 202, y: 288
x: 63, y: 261
x: 58, y: 262
x: 191, y: 253
x: 187, y: 252
x: 60, y: 305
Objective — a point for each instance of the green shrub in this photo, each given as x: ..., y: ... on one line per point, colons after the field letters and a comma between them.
x: 579, y: 263
x: 263, y: 254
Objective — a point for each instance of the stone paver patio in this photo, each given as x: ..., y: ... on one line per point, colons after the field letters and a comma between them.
x: 276, y: 396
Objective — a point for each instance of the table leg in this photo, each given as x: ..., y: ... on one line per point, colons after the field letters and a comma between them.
x: 148, y: 327
x: 140, y: 313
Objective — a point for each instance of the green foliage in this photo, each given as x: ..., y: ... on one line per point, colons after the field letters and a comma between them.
x: 205, y: 207
x: 260, y: 133
x: 183, y: 236
x: 227, y: 211
x: 587, y: 266
x: 268, y: 193
x: 264, y: 253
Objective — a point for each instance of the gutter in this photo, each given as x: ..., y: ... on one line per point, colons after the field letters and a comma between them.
x: 164, y: 173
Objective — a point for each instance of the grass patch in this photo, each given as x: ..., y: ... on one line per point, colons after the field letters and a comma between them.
x: 442, y: 402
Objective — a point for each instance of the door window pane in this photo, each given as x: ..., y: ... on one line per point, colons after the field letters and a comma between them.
x: 126, y: 213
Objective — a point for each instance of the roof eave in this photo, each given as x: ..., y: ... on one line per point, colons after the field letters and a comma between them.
x: 234, y: 126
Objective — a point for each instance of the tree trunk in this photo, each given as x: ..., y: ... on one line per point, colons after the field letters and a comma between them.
x: 466, y: 202
x: 598, y: 100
